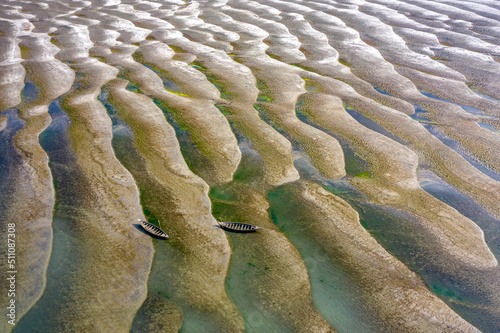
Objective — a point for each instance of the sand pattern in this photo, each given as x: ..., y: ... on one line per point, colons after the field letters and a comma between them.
x: 290, y: 115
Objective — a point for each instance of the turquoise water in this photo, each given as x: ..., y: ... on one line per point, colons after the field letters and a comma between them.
x: 164, y: 262
x: 335, y: 293
x: 467, y: 298
x: 64, y: 258
x: 354, y: 163
x: 464, y: 289
x: 334, y: 290
x: 247, y: 266
x: 245, y: 272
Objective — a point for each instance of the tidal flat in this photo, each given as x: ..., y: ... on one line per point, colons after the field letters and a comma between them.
x: 361, y: 136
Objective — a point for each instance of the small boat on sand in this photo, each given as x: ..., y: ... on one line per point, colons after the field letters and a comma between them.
x: 153, y: 230
x: 238, y: 227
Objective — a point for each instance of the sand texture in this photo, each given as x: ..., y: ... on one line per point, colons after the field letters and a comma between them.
x: 361, y: 136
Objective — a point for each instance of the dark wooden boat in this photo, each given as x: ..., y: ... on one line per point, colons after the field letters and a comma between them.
x: 238, y: 227
x: 154, y: 230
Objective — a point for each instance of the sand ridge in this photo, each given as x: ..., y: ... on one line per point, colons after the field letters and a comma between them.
x: 159, y: 105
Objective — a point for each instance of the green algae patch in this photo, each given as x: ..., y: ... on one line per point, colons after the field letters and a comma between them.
x: 222, y: 192
x: 150, y: 217
x: 273, y: 56
x: 306, y: 68
x: 263, y: 92
x: 197, y: 65
x: 224, y: 94
x: 169, y: 115
x: 178, y: 93
x: 263, y: 98
x: 365, y: 175
x: 223, y: 109
x: 263, y: 114
x: 132, y: 86
x: 345, y: 62
x: 258, y: 107
x: 213, y: 79
x: 196, y: 161
x: 169, y: 85
x: 251, y: 169
x: 177, y: 49
x: 267, y: 118
x: 355, y: 165
x: 312, y: 86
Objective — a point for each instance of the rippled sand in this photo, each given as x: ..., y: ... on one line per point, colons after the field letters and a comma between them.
x: 362, y: 136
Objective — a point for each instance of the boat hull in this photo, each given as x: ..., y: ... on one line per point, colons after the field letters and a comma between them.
x: 154, y: 230
x: 238, y: 227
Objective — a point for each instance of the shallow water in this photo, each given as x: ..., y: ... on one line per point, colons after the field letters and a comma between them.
x: 333, y: 289
x: 398, y: 232
x: 467, y: 108
x: 159, y: 281
x: 456, y: 146
x: 368, y: 123
x: 63, y: 259
x: 489, y: 127
x: 466, y: 206
x: 8, y: 155
x: 237, y: 37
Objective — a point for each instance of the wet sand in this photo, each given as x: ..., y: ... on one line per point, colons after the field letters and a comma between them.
x: 185, y: 112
